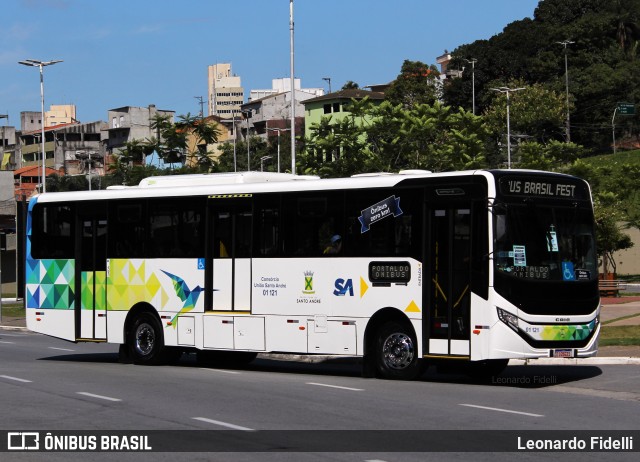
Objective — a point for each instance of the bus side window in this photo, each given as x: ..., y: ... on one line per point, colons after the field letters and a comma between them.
x: 127, y: 231
x: 267, y: 213
x: 54, y: 231
x: 309, y: 222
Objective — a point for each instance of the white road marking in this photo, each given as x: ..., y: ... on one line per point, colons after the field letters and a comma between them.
x: 334, y: 386
x: 219, y: 370
x: 17, y: 379
x: 10, y: 343
x: 91, y: 395
x: 502, y: 410
x: 223, y: 424
x: 61, y: 349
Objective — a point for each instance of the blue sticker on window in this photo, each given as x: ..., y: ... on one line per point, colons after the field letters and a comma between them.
x: 383, y: 209
x: 200, y: 263
x: 568, y: 271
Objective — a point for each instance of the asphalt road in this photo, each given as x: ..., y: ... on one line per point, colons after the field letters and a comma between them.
x: 48, y: 384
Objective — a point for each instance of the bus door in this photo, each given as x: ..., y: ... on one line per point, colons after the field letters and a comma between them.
x: 449, y: 291
x: 228, y: 272
x: 91, y: 275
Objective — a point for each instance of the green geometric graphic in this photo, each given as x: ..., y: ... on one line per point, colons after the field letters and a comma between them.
x: 50, y: 284
x: 87, y: 292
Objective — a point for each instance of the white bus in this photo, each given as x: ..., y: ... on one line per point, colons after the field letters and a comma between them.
x: 401, y: 269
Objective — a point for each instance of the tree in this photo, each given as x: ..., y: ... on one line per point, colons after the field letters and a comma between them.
x: 200, y: 133
x: 603, y: 65
x: 350, y: 85
x: 552, y: 156
x: 609, y: 235
x: 390, y: 137
x: 416, y: 84
x: 258, y: 148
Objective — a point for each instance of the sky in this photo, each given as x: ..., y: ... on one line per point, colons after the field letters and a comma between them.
x: 139, y: 52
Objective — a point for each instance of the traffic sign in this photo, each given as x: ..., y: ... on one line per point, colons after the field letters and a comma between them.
x: 626, y: 109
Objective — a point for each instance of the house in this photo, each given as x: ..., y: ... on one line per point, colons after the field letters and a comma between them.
x: 129, y: 123
x: 70, y: 148
x: 271, y: 112
x: 334, y: 105
x: 26, y: 180
x: 226, y: 133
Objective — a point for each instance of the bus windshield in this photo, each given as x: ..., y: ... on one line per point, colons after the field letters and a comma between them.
x: 544, y: 242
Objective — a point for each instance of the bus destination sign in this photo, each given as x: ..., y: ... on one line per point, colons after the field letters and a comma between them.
x: 388, y: 272
x: 549, y: 188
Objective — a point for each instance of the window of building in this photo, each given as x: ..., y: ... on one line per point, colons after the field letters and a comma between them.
x: 336, y: 107
x: 327, y: 108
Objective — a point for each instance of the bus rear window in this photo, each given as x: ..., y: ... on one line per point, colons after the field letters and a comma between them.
x: 52, y: 232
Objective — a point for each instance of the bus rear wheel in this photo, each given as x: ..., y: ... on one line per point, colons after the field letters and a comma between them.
x: 146, y: 343
x: 396, y: 353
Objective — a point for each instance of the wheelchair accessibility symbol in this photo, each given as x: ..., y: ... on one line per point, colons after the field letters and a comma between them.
x: 568, y: 271
x: 201, y: 263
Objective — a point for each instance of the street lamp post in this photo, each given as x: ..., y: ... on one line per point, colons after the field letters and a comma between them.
x: 247, y: 114
x: 506, y: 91
x: 328, y: 80
x: 3, y: 116
x: 566, y: 81
x: 293, y: 93
x: 473, y: 62
x: 278, y: 130
x: 262, y: 159
x: 41, y: 65
x: 235, y: 138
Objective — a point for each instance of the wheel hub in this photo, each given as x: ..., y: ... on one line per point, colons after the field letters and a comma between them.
x: 145, y: 339
x: 398, y: 351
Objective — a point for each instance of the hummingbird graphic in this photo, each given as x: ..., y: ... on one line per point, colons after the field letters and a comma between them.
x: 186, y: 295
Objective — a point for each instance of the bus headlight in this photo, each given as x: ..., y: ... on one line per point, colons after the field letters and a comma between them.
x: 509, y: 319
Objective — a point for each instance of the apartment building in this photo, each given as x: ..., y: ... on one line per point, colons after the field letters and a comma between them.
x: 225, y: 91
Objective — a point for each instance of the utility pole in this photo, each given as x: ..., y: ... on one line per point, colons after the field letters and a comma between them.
x: 506, y: 91
x: 201, y: 102
x: 566, y: 82
x: 473, y: 62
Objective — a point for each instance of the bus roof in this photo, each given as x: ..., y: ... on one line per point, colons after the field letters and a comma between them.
x: 249, y: 182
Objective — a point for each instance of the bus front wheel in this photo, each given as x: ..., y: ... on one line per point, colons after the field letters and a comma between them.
x: 396, y: 353
x: 146, y: 342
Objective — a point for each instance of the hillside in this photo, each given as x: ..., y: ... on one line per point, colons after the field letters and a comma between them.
x: 614, y: 160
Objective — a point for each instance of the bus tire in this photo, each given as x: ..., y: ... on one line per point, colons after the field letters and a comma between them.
x: 396, y: 353
x: 146, y: 342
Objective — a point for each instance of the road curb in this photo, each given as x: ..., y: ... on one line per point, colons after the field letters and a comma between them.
x: 24, y: 329
x: 604, y: 360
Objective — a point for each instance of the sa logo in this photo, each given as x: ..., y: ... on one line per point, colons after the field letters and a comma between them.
x: 342, y: 287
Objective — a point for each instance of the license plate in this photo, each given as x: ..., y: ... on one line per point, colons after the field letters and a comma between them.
x: 562, y: 353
